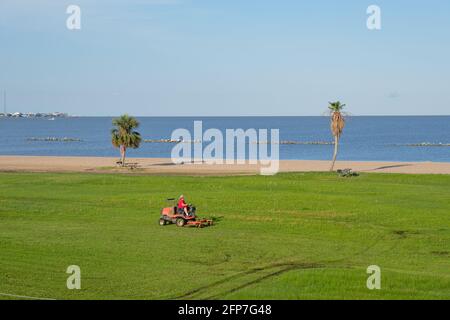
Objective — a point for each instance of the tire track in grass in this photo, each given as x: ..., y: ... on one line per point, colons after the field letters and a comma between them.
x: 288, y: 268
x: 285, y: 267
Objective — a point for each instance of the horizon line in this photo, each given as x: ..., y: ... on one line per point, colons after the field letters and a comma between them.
x: 261, y: 116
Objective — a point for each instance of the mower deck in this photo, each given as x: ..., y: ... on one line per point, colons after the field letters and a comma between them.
x: 200, y: 223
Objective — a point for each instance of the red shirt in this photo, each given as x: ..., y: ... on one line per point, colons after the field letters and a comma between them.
x: 182, y: 204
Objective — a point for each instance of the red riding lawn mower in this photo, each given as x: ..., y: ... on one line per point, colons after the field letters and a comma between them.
x: 177, y: 216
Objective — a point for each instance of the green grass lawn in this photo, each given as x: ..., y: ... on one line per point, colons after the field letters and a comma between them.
x: 292, y: 236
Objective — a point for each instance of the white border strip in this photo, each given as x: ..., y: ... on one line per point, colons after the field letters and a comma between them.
x: 23, y: 297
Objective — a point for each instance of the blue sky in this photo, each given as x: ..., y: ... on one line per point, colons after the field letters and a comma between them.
x: 225, y: 57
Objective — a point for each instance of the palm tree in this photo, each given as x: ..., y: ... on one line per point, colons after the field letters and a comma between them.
x: 337, y: 126
x: 124, y: 136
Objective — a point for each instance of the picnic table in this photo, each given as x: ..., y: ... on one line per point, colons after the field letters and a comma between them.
x: 131, y: 165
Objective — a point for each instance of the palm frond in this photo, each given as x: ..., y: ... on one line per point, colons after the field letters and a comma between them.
x: 337, y: 118
x: 123, y: 134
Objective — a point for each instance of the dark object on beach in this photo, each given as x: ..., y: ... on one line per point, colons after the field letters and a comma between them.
x: 347, y: 173
x: 130, y: 165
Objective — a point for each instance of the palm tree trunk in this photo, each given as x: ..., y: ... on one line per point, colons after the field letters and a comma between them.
x: 336, y: 144
x: 123, y: 152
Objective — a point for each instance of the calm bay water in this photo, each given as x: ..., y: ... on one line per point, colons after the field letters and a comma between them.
x: 365, y: 138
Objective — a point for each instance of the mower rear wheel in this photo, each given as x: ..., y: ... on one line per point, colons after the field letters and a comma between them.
x: 180, y: 222
x: 162, y: 222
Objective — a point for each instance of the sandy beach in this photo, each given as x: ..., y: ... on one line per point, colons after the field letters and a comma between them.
x: 165, y: 166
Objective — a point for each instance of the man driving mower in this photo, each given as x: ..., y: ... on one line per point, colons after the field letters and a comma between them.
x: 183, y: 206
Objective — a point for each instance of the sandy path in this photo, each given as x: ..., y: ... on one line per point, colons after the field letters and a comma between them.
x: 165, y: 166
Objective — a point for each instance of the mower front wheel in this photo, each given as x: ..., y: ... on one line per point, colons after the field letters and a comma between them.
x: 162, y: 222
x: 180, y: 222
